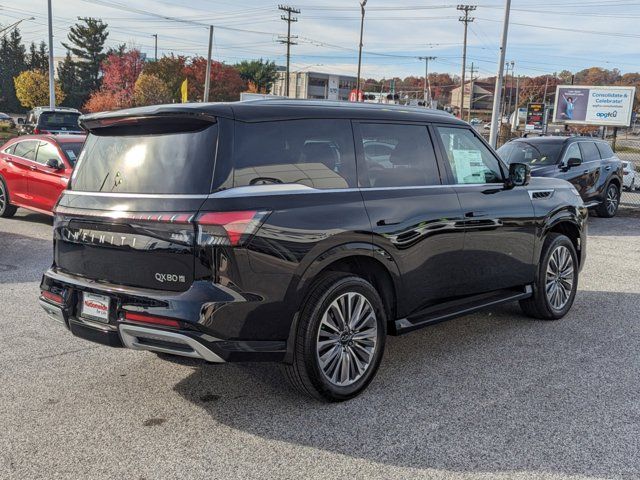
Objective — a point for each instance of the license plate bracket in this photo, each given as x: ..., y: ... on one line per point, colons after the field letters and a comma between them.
x: 95, y: 307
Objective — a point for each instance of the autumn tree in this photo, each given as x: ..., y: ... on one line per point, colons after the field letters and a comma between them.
x: 32, y: 88
x: 226, y: 83
x: 119, y: 75
x: 169, y: 69
x: 150, y: 90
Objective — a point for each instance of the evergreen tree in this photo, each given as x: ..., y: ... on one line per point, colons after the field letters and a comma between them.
x: 87, y: 44
x: 38, y: 58
x: 12, y: 62
x: 69, y: 82
x: 261, y: 74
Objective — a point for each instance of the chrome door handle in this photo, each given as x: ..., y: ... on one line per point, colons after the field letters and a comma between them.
x: 33, y: 167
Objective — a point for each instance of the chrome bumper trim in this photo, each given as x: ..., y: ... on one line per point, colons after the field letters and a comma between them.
x: 133, y: 337
x: 53, y: 311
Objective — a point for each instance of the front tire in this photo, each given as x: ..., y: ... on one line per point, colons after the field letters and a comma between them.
x: 609, y: 207
x: 556, y: 281
x: 339, y: 340
x: 6, y: 209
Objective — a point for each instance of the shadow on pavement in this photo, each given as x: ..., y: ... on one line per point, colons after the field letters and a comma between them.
x: 492, y: 393
x: 23, y: 258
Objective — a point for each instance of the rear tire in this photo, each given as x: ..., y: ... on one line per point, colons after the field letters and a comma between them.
x: 556, y: 281
x: 6, y: 209
x: 335, y: 360
x: 609, y: 207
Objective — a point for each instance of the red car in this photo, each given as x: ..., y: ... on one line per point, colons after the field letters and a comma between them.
x: 34, y: 170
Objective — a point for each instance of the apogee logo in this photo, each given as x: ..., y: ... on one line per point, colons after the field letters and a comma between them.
x: 613, y: 114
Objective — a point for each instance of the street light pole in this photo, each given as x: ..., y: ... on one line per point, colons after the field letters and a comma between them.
x: 493, y: 135
x: 52, y: 90
x: 13, y: 25
x: 155, y: 46
x: 362, y: 5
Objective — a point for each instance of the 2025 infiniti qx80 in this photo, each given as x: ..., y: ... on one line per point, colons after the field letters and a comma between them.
x: 300, y: 232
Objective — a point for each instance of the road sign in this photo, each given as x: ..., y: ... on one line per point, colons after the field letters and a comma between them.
x: 355, y: 95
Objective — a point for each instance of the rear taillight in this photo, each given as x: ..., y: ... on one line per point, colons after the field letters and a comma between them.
x: 151, y: 319
x: 39, y: 131
x: 52, y: 297
x: 228, y: 228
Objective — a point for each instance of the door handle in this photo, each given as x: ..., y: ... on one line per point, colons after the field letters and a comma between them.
x: 383, y: 222
x: 608, y: 168
x: 475, y: 214
x: 33, y: 167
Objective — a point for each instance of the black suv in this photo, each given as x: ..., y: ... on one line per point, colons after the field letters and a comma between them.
x: 300, y: 232
x: 45, y: 120
x: 588, y: 163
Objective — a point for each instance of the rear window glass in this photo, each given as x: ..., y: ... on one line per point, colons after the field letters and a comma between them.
x: 59, y: 119
x: 605, y: 150
x: 175, y: 163
x: 316, y: 153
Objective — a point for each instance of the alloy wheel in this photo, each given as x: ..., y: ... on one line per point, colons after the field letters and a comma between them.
x: 347, y: 338
x: 612, y: 199
x: 3, y: 198
x: 560, y: 277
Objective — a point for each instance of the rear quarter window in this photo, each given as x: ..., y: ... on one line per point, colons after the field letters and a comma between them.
x: 605, y: 150
x: 318, y: 153
x: 589, y: 151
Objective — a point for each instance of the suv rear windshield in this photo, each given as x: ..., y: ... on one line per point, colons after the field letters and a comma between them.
x: 168, y: 163
x: 540, y: 153
x: 59, y: 119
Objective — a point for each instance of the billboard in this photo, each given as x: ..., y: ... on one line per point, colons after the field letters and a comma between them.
x: 535, y: 116
x: 587, y: 105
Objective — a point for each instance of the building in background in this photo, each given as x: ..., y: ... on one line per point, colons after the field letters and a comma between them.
x: 318, y: 85
x: 482, y: 99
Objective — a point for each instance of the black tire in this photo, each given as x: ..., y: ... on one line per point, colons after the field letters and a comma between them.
x: 306, y: 372
x: 6, y: 209
x: 539, y: 305
x: 609, y: 206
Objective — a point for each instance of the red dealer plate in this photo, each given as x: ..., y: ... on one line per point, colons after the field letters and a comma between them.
x: 95, y: 306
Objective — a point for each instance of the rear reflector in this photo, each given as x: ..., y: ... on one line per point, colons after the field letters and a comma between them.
x: 151, y: 319
x: 228, y: 228
x: 52, y: 297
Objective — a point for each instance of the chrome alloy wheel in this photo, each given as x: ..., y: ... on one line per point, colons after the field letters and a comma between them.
x: 3, y: 198
x: 347, y: 339
x: 612, y: 199
x: 560, y: 277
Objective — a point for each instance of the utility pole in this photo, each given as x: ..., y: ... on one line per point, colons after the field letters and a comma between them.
x: 207, y: 75
x: 362, y: 5
x: 493, y: 135
x: 472, y: 80
x: 466, y: 19
x: 507, y: 88
x: 288, y: 40
x: 427, y: 83
x: 155, y: 48
x: 52, y: 90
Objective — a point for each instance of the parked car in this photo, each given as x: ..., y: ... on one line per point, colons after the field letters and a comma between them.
x: 475, y: 121
x: 34, y: 170
x: 629, y: 179
x: 589, y: 164
x: 262, y: 231
x: 6, y: 121
x: 46, y: 120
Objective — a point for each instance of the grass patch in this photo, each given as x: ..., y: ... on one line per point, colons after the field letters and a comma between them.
x: 625, y: 149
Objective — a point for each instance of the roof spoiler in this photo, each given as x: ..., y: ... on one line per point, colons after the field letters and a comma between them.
x: 165, y: 122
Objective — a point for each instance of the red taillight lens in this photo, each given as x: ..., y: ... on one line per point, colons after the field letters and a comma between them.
x: 228, y: 228
x: 151, y: 319
x: 39, y: 131
x: 52, y: 297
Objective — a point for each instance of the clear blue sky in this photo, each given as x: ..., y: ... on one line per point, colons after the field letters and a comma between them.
x: 576, y: 34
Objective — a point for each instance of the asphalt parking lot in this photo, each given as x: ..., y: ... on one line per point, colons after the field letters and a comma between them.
x: 491, y: 395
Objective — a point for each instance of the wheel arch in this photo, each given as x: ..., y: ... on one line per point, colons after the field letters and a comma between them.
x: 567, y: 225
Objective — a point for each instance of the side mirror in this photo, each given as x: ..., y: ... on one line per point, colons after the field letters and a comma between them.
x: 20, y: 121
x: 574, y: 162
x: 519, y: 175
x: 54, y: 163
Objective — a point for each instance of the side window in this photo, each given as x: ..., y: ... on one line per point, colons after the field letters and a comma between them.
x: 573, y: 151
x: 589, y: 151
x: 398, y: 155
x: 26, y: 149
x: 46, y: 151
x: 605, y: 150
x: 471, y: 161
x: 316, y: 153
x: 9, y: 150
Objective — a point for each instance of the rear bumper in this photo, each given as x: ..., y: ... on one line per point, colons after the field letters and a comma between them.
x: 190, y: 340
